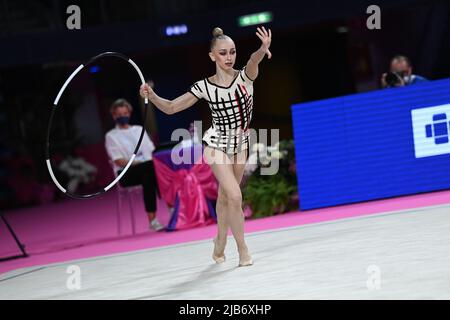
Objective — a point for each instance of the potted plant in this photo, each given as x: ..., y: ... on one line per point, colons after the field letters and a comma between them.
x: 267, y: 195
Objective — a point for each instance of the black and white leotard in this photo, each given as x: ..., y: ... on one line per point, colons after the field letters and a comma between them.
x: 231, y: 110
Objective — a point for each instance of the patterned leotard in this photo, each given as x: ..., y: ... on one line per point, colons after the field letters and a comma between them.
x: 231, y: 110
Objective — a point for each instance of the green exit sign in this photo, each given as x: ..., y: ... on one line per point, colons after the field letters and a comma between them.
x: 256, y: 18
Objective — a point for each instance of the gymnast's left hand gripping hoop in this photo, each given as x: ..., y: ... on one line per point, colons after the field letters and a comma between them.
x: 55, y: 104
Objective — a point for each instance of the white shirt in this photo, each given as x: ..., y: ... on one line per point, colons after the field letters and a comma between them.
x: 120, y: 144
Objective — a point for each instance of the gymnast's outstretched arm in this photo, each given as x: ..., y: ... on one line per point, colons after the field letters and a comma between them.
x: 168, y: 106
x: 251, y: 68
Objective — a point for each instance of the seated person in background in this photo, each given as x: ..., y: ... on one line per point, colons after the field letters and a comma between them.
x: 120, y: 143
x: 400, y: 74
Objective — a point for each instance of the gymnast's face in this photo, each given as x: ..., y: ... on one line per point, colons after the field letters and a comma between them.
x: 224, y: 53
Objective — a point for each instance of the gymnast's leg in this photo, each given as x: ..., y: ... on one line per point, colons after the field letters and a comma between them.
x: 221, y: 206
x: 230, y: 204
x: 222, y: 223
x: 237, y: 217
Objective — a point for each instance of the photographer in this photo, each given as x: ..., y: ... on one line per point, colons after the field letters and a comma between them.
x: 400, y: 74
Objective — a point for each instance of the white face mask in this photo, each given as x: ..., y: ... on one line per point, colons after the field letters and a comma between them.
x: 407, y: 79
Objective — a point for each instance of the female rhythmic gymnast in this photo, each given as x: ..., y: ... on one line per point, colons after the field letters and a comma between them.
x: 229, y: 94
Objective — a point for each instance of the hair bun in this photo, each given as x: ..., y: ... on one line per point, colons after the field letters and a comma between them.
x: 217, y: 32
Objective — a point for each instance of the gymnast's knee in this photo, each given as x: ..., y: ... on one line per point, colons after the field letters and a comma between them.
x: 222, y: 200
x: 234, y: 198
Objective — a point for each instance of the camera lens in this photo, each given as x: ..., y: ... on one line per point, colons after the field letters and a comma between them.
x: 393, y: 79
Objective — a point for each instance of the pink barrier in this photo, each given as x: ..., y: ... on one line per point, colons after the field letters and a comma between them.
x: 187, y: 190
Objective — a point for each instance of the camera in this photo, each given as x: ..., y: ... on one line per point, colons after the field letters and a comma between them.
x: 394, y: 79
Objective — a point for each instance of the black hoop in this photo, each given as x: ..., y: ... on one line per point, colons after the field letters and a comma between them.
x: 47, y: 149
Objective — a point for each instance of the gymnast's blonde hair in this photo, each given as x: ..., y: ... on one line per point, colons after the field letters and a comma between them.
x: 217, y: 35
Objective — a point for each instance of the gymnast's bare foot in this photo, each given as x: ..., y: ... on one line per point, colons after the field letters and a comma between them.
x: 219, y: 251
x: 245, y: 259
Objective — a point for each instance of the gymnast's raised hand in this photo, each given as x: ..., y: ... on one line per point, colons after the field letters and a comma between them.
x: 266, y: 39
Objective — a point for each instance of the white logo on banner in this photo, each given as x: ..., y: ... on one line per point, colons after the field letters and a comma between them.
x: 431, y: 128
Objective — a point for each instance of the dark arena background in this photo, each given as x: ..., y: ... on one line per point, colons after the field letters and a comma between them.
x: 344, y: 192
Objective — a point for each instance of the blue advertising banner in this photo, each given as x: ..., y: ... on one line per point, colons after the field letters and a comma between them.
x: 374, y: 145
